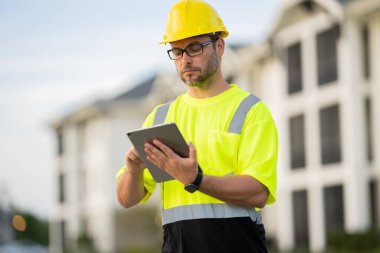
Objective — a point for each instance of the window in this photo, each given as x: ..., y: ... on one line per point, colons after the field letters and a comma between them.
x: 374, y: 203
x: 366, y: 55
x: 368, y: 122
x: 297, y: 142
x: 300, y: 218
x: 327, y: 55
x: 294, y: 69
x: 63, y: 236
x: 61, y: 189
x: 59, y: 141
x: 333, y: 208
x: 330, y: 135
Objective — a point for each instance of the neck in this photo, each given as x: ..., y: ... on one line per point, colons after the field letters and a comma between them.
x: 215, y: 87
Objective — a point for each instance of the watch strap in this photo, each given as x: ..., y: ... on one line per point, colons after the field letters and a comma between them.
x: 198, y: 179
x: 194, y: 186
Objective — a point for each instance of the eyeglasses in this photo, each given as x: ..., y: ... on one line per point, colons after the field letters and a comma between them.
x: 191, y: 50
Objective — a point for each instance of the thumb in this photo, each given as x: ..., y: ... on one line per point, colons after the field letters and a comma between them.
x: 192, y: 151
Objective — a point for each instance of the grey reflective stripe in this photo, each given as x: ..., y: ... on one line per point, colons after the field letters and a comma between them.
x: 238, y: 119
x: 203, y: 211
x: 161, y: 113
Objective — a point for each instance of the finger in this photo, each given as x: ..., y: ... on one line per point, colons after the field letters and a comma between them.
x: 132, y: 158
x: 155, y: 156
x: 135, y: 158
x: 153, y: 150
x: 154, y: 159
x: 134, y: 152
x: 165, y: 149
x: 150, y: 155
x: 126, y: 156
x: 151, y: 158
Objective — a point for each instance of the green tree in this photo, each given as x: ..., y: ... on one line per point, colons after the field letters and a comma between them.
x: 36, y: 229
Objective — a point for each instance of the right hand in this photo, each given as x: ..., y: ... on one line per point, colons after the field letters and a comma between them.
x: 133, y: 161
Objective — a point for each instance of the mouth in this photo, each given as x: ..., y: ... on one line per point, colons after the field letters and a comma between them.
x: 189, y: 71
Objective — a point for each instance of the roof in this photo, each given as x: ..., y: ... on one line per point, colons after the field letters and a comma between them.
x: 137, y: 92
x: 293, y: 11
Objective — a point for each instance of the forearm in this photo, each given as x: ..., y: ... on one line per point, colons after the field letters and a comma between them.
x: 238, y: 190
x: 242, y: 190
x: 130, y: 188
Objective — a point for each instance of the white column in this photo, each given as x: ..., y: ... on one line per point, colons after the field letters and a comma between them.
x: 71, y: 208
x: 284, y: 203
x: 352, y: 118
x: 374, y: 38
x: 316, y: 218
x: 315, y: 196
x: 285, y: 219
x: 312, y: 143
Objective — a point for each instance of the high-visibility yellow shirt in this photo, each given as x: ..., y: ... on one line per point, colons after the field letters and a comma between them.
x: 206, y: 122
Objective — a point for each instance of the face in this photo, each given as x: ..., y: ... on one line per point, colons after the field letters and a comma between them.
x: 197, y: 71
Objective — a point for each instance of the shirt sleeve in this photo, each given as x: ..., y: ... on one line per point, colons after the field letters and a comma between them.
x: 149, y: 183
x: 258, y: 149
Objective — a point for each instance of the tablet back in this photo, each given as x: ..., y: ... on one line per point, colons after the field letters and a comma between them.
x: 168, y: 134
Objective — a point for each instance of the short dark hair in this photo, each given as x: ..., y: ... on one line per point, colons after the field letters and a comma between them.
x: 214, y: 36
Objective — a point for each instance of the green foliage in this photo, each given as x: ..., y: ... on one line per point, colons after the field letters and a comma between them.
x: 340, y: 241
x: 141, y: 249
x: 85, y: 244
x: 36, y: 230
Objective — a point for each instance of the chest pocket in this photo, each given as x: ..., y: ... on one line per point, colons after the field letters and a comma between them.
x: 222, y: 155
x: 223, y: 145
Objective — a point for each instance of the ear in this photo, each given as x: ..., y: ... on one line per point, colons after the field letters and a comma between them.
x: 220, y: 46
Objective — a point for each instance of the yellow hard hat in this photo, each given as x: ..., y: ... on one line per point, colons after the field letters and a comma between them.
x: 189, y: 18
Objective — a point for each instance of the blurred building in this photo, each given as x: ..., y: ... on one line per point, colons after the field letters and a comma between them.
x: 319, y: 72
x: 90, y: 150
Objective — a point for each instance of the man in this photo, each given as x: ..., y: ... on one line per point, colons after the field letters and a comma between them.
x: 214, y: 203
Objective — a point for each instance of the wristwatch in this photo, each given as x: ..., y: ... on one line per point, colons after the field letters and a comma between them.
x: 194, y: 186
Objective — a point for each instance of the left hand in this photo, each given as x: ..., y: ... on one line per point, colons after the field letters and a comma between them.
x: 181, y: 168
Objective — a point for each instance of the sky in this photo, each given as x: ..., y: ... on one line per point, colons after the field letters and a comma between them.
x: 56, y: 55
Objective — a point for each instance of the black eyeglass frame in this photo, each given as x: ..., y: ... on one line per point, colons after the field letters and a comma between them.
x: 186, y: 49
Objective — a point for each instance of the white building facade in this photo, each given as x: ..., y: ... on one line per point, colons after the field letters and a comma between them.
x: 319, y: 72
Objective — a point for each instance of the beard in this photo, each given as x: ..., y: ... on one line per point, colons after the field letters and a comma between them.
x: 205, y: 77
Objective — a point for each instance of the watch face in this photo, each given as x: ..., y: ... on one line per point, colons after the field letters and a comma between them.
x: 191, y: 188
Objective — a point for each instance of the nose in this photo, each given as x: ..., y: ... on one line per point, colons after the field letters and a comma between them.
x: 186, y: 59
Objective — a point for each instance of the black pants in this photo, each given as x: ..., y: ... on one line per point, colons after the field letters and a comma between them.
x: 227, y: 235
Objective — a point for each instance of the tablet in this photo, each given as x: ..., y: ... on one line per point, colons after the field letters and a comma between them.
x: 168, y: 134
